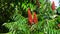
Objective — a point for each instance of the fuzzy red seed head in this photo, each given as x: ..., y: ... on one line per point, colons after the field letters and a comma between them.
x: 53, y: 6
x: 58, y: 25
x: 35, y: 19
x: 30, y: 17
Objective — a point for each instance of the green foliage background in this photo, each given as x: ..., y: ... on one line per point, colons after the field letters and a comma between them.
x: 13, y: 13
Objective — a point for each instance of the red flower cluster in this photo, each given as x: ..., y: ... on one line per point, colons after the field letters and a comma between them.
x: 35, y: 20
x: 30, y: 16
x: 53, y: 6
x: 30, y: 19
